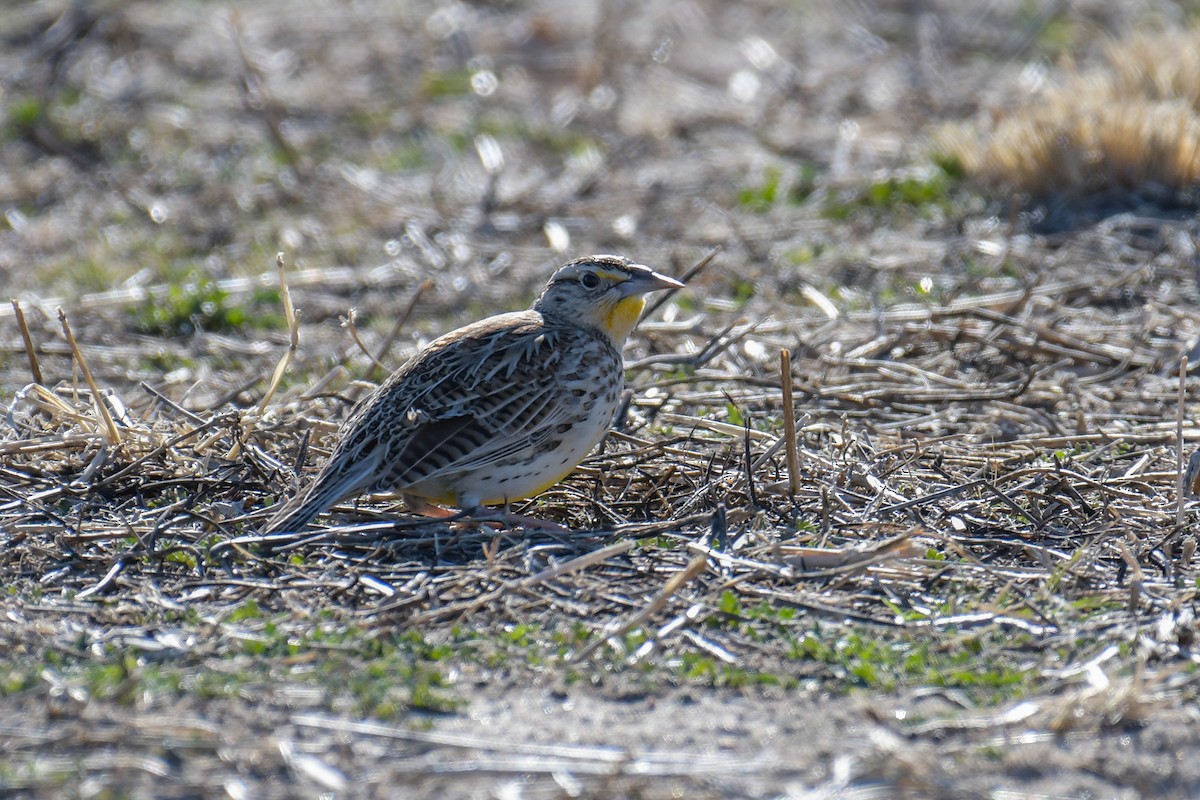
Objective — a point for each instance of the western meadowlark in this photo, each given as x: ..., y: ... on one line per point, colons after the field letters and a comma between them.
x: 494, y: 412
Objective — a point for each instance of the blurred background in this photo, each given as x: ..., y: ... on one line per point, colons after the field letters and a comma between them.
x: 177, y: 146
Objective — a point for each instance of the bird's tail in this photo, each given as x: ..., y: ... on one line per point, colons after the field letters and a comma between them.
x: 337, y: 481
x: 295, y: 514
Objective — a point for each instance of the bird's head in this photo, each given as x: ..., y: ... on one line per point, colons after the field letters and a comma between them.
x: 604, y: 292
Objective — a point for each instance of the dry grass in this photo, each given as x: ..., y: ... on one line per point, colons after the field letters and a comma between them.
x: 1130, y: 124
x: 953, y: 522
x: 950, y: 554
x: 1156, y: 65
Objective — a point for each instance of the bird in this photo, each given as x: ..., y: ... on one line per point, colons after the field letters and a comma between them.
x: 493, y: 412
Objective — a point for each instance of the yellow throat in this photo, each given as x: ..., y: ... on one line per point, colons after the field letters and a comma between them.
x: 620, y: 319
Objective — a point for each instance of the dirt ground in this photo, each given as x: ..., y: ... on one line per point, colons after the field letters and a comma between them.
x: 987, y: 392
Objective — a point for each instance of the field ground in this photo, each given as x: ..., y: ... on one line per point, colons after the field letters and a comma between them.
x: 978, y: 580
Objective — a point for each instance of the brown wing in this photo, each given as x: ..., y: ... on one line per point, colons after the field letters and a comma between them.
x: 469, y: 399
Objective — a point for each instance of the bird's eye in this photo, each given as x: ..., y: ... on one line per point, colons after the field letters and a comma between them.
x: 590, y: 280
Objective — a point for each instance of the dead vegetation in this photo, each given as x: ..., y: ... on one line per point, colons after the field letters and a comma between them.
x: 972, y: 566
x: 1126, y: 128
x: 994, y: 513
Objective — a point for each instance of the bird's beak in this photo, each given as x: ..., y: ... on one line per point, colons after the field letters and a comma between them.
x: 645, y: 280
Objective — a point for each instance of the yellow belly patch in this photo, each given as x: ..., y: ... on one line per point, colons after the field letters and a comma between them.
x: 621, y: 318
x: 539, y: 489
x: 444, y: 499
x: 450, y: 498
